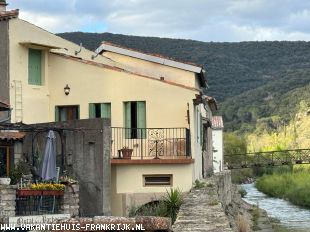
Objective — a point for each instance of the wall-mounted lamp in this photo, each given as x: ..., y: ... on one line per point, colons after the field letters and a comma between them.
x: 67, y: 89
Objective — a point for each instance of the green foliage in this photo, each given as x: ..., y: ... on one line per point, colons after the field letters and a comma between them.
x: 22, y: 168
x: 234, y: 144
x: 168, y: 206
x: 173, y: 201
x: 242, y: 192
x: 293, y: 185
x: 199, y: 184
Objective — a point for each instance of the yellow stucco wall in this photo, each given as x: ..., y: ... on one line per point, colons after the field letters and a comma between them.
x: 156, y: 70
x: 33, y: 96
x: 128, y: 189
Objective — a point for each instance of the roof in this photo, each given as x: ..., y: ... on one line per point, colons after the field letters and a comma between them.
x: 11, y: 135
x: 4, y: 106
x: 217, y: 122
x: 6, y: 15
x: 155, y: 58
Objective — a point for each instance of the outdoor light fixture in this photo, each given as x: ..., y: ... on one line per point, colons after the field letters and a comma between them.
x: 67, y: 89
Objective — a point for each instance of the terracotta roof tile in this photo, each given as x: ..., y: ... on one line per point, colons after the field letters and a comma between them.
x: 217, y: 122
x: 11, y: 135
x: 6, y: 15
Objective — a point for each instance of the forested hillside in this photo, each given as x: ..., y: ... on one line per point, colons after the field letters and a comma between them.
x: 257, y: 84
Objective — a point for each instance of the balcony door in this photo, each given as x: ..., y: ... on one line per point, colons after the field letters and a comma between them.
x: 135, y: 119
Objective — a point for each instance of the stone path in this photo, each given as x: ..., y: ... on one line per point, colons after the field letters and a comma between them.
x: 202, y: 211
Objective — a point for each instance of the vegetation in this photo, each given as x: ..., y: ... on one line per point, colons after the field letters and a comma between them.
x: 199, y: 184
x: 242, y: 192
x: 168, y: 206
x: 242, y: 223
x: 47, y: 186
x: 293, y: 185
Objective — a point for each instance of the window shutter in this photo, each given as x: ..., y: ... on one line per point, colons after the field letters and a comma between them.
x: 57, y: 114
x: 127, y: 119
x: 34, y: 67
x: 141, y: 119
x: 92, y: 111
x: 105, y: 110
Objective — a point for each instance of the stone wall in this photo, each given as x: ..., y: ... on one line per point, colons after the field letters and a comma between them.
x: 147, y: 224
x: 7, y: 202
x: 202, y: 209
x: 224, y: 187
x: 71, y: 200
x: 83, y: 150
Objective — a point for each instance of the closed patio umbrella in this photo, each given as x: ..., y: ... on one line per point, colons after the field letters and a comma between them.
x: 48, y: 164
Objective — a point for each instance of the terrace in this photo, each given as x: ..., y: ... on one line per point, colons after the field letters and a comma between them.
x: 150, y: 145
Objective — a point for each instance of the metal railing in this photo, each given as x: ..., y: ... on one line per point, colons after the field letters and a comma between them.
x: 150, y: 143
x: 267, y: 159
x: 38, y: 205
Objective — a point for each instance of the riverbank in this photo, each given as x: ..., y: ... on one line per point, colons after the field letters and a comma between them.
x: 293, y: 185
x: 284, y: 216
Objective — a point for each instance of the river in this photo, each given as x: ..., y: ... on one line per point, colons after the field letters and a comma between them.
x: 294, y: 218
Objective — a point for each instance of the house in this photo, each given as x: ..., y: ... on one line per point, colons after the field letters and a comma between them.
x: 217, y: 137
x: 159, y: 115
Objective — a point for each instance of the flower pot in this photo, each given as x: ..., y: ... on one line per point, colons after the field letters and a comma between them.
x: 52, y: 192
x: 28, y: 192
x: 126, y: 152
x: 5, y: 180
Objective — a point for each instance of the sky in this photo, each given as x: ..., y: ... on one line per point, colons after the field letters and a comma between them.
x: 204, y: 20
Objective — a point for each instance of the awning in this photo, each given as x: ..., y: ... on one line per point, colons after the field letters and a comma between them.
x: 10, y: 135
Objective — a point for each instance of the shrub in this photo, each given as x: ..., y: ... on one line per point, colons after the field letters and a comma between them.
x: 199, y: 184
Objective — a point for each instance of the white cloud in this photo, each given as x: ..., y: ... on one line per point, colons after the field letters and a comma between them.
x: 207, y: 20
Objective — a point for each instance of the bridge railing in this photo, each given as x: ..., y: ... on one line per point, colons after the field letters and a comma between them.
x: 268, y: 158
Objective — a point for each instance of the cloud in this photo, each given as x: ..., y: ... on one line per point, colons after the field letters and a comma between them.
x: 206, y: 20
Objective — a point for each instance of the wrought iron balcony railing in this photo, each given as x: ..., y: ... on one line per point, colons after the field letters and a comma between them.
x: 150, y: 143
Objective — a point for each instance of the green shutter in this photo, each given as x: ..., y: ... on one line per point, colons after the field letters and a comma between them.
x: 92, y: 111
x: 34, y: 67
x: 127, y: 119
x: 141, y: 120
x: 56, y: 114
x: 105, y: 110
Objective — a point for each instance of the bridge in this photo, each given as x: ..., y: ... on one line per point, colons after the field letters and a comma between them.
x: 267, y: 159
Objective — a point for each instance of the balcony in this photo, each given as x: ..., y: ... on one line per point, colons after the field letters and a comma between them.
x: 154, y: 145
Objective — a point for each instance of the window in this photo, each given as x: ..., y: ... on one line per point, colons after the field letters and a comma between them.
x: 157, y: 180
x: 135, y: 120
x: 65, y: 113
x: 5, y: 160
x: 34, y: 67
x: 100, y: 110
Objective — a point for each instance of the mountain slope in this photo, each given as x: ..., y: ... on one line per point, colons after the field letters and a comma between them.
x: 247, y: 78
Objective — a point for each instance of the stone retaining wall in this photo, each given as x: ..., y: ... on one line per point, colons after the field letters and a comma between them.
x: 8, y: 203
x: 147, y: 224
x: 203, y: 210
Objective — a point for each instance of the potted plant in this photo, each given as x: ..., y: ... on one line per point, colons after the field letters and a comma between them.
x: 126, y: 152
x: 49, y: 189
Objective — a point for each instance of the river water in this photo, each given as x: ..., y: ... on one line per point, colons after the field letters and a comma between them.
x: 292, y: 217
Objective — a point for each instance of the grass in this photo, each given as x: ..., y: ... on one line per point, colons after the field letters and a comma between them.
x: 242, y: 223
x: 293, y: 185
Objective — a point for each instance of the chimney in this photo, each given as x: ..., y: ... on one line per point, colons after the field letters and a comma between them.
x: 3, y: 5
